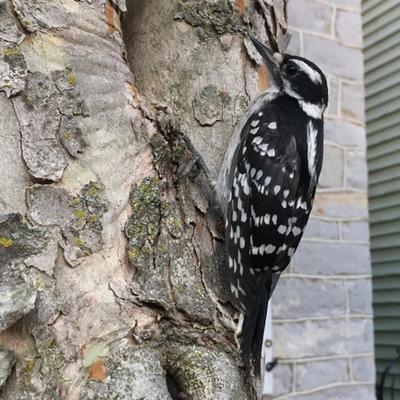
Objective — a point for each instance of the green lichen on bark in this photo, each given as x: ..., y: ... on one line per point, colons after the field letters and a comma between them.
x: 88, y: 207
x: 39, y: 119
x: 187, y: 285
x: 71, y: 136
x: 206, y: 372
x: 24, y: 371
x: 71, y: 78
x: 146, y: 252
x: 70, y: 104
x: 143, y: 227
x: 17, y: 299
x: 38, y: 374
x: 84, y: 232
x: 217, y: 17
x: 203, y: 373
x: 40, y: 91
x: 92, y: 194
x: 161, y: 154
x: 130, y: 373
x: 19, y: 239
x: 6, y: 242
x: 47, y: 111
x: 14, y: 69
x: 52, y: 357
x: 13, y: 55
x: 79, y: 216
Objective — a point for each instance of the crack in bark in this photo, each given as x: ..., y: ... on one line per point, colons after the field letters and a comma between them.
x: 17, y: 19
x: 170, y: 285
x: 21, y: 150
x: 275, y: 23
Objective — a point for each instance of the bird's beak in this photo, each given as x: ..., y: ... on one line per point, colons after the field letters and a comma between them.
x: 271, y: 59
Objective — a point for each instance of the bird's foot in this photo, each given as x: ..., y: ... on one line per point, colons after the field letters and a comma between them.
x: 195, y: 164
x: 170, y: 125
x: 225, y: 317
x: 238, y: 329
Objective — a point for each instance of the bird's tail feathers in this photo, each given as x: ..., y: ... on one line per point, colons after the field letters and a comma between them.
x: 254, y: 324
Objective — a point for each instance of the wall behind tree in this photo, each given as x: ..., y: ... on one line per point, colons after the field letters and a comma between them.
x: 322, y: 314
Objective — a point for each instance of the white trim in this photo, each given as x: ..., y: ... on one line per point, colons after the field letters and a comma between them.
x: 304, y: 393
x: 267, y: 355
x: 344, y: 317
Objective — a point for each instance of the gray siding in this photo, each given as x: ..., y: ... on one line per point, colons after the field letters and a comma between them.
x: 381, y: 27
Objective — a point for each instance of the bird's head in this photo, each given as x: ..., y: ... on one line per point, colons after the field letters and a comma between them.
x: 295, y: 76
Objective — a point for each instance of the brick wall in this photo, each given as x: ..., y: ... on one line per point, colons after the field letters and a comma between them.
x: 322, y: 315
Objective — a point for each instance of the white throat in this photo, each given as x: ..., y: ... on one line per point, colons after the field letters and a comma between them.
x: 315, y: 111
x: 312, y: 110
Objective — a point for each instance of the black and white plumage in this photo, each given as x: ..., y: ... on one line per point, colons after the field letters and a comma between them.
x: 267, y: 185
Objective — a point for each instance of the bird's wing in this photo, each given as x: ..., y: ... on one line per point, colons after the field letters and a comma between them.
x: 266, y: 211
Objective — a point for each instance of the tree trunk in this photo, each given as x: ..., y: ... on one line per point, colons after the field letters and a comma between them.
x: 112, y: 272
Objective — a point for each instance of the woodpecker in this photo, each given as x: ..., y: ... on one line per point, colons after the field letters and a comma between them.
x: 266, y: 186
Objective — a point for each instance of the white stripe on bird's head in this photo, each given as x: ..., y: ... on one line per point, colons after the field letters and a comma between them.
x: 314, y: 75
x: 313, y: 109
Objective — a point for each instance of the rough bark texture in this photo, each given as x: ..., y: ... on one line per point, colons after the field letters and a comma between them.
x: 112, y: 275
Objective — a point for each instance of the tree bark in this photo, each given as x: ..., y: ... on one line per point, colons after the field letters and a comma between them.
x: 112, y: 282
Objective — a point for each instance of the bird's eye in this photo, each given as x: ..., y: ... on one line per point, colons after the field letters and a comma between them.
x: 291, y: 70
